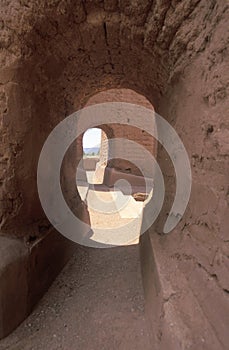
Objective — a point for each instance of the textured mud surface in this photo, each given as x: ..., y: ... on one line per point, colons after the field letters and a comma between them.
x: 95, y: 303
x: 55, y: 55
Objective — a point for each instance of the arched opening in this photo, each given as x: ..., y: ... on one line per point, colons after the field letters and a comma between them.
x: 118, y: 131
x: 117, y: 170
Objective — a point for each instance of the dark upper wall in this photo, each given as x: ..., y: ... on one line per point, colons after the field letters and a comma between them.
x: 56, y: 54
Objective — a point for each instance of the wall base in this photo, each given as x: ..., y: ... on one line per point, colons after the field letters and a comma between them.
x: 180, y: 308
x: 112, y: 175
x: 26, y: 272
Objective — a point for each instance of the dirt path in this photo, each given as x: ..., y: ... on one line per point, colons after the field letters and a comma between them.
x: 95, y: 303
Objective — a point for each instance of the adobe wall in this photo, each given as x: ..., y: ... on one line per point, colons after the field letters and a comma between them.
x: 103, y: 154
x: 56, y: 55
x: 187, y: 288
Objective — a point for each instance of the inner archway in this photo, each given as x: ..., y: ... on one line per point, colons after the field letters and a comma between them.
x: 129, y: 177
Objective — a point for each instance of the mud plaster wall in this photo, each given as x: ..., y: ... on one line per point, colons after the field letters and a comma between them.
x: 103, y: 154
x: 192, y: 305
x: 57, y: 54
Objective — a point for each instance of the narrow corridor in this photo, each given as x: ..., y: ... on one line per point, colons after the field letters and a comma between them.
x: 95, y: 303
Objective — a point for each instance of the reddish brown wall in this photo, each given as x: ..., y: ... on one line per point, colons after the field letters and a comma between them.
x: 56, y: 55
x: 187, y: 289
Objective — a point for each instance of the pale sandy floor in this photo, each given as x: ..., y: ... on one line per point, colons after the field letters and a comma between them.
x: 110, y: 209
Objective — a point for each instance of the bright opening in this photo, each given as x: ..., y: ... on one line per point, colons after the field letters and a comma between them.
x: 92, y: 142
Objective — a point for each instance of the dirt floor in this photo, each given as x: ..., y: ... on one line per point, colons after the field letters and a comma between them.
x: 95, y: 303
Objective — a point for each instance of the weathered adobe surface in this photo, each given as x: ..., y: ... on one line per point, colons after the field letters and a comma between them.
x: 55, y: 55
x: 191, y: 263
